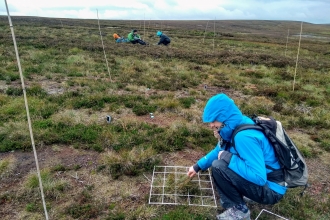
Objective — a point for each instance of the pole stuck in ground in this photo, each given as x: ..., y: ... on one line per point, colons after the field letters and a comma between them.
x: 27, y: 113
x: 214, y: 34
x: 287, y: 40
x: 295, y: 70
x: 105, y: 56
x: 205, y: 30
x: 144, y: 26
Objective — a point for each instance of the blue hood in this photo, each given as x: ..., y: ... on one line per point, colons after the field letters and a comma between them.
x: 159, y: 33
x: 223, y: 109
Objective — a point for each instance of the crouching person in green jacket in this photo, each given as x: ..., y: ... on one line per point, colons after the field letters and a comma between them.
x: 134, y: 38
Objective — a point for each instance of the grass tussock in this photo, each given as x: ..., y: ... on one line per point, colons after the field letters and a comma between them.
x: 7, y: 165
x: 130, y: 163
x: 53, y: 187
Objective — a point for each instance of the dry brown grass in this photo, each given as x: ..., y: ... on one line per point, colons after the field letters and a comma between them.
x: 7, y: 165
x: 81, y: 116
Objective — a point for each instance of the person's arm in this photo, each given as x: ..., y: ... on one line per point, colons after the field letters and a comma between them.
x: 250, y: 163
x: 205, y: 162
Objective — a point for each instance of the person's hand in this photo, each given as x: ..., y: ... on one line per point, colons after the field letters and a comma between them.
x: 219, y: 154
x: 216, y: 134
x: 191, y: 172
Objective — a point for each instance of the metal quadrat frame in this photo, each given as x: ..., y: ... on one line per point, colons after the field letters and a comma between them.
x: 165, y: 187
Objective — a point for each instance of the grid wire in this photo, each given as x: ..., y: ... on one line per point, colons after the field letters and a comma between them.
x: 264, y: 210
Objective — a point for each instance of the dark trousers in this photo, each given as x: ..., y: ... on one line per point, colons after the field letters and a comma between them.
x: 138, y: 41
x: 232, y: 187
x: 166, y: 42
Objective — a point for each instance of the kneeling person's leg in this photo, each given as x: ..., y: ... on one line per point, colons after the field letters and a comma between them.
x: 166, y: 42
x: 224, y: 178
x: 232, y: 187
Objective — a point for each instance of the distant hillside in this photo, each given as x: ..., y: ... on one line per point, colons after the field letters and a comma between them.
x: 230, y: 26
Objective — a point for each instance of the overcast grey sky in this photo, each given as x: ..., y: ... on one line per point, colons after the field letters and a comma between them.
x: 313, y: 11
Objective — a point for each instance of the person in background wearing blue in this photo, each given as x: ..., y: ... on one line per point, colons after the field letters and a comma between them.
x: 163, y: 38
x: 119, y: 39
x: 241, y: 171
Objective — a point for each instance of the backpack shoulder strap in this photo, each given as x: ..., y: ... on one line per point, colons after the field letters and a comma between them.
x: 241, y: 128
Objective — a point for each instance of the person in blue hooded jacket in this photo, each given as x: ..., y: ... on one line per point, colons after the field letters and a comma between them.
x: 241, y: 171
x: 163, y: 38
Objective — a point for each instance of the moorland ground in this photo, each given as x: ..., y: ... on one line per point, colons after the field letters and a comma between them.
x: 92, y: 169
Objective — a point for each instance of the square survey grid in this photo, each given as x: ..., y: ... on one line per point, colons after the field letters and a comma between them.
x: 170, y: 185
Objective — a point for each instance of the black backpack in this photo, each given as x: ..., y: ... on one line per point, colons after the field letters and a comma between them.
x: 293, y: 166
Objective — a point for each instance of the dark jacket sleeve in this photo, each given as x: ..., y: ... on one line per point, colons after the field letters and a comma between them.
x: 196, y: 168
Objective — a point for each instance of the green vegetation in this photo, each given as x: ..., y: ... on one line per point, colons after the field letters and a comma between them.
x: 3, y: 166
x: 92, y: 169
